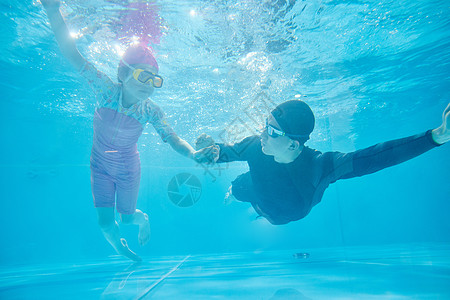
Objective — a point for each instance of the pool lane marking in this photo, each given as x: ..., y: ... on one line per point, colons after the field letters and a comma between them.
x: 150, y: 288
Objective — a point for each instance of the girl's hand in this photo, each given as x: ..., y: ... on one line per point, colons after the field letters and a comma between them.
x: 208, y: 155
x: 51, y: 4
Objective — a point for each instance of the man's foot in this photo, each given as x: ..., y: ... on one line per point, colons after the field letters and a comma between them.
x: 125, y: 251
x: 229, y: 197
x: 144, y: 231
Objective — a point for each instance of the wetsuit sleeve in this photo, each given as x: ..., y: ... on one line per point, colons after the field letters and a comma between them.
x: 377, y: 157
x: 100, y: 83
x: 158, y: 120
x: 237, y: 152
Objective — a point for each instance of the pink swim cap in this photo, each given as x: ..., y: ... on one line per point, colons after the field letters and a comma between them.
x: 139, y: 55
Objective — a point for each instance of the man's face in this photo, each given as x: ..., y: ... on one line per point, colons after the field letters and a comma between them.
x: 274, y: 146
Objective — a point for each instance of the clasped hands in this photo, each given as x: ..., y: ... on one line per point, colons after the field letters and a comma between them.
x: 207, y: 150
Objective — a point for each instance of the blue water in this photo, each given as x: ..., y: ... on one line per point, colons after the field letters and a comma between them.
x: 370, y: 70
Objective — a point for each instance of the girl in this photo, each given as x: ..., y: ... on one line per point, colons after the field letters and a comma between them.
x: 122, y: 110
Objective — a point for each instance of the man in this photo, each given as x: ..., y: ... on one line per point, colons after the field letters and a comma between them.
x: 287, y: 179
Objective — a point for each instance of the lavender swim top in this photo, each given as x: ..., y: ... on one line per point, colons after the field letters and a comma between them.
x: 116, y: 127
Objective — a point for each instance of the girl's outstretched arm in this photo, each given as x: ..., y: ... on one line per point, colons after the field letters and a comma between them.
x: 441, y: 134
x: 65, y: 41
x: 205, y: 155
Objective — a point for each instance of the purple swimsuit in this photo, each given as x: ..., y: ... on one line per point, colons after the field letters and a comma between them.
x: 115, y: 163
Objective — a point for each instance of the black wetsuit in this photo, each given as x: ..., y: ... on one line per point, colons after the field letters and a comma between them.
x: 283, y: 193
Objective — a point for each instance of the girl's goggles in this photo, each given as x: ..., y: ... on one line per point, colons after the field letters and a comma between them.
x: 145, y: 77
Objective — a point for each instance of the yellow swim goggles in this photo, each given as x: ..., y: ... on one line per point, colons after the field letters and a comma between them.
x: 145, y: 77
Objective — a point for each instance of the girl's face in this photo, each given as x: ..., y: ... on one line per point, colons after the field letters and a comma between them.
x: 274, y: 146
x: 138, y: 89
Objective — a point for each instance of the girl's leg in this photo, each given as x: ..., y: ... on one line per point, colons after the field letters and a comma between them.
x: 127, y: 189
x: 141, y: 219
x: 111, y: 231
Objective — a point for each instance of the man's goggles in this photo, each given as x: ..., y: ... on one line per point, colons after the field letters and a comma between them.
x: 145, y: 77
x: 275, y: 132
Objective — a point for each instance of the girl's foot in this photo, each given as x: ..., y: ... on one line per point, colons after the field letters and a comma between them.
x: 125, y: 251
x: 144, y: 231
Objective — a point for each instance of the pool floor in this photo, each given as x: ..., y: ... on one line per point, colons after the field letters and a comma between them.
x: 384, y: 272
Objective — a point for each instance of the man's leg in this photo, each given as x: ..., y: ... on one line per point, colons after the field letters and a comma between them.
x: 141, y: 219
x: 111, y: 231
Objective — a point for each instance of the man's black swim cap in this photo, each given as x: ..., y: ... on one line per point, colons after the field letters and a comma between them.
x: 295, y: 118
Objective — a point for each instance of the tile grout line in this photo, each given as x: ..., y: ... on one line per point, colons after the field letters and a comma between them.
x: 150, y: 288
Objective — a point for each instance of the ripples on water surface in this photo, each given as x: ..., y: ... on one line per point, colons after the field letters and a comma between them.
x: 344, y: 57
